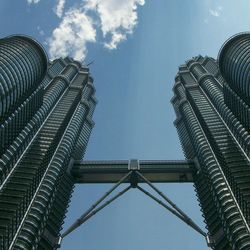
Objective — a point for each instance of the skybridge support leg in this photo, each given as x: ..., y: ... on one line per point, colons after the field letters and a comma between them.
x: 174, y: 209
x: 183, y: 216
x: 92, y: 211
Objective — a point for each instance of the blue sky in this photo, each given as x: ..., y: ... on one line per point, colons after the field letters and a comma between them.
x: 137, y: 47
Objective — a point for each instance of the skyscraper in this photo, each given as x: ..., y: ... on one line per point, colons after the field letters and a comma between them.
x: 212, y: 119
x: 45, y: 124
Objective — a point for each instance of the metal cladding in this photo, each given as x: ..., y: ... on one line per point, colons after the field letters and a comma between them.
x: 234, y: 63
x: 23, y: 64
x: 35, y: 184
x: 213, y: 137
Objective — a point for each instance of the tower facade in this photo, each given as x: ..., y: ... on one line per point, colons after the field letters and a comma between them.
x: 213, y: 133
x: 46, y: 120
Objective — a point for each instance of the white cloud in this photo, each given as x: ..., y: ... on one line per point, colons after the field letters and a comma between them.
x: 216, y: 12
x: 33, y: 1
x: 71, y: 36
x: 117, y: 18
x: 59, y: 8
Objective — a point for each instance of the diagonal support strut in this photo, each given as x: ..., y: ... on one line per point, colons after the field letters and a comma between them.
x: 180, y: 214
x: 92, y: 211
x: 82, y: 219
x: 173, y: 211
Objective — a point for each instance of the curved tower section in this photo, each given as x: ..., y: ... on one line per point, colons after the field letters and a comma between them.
x: 234, y: 64
x: 23, y: 65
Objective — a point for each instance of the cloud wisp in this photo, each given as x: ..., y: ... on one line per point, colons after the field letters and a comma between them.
x: 41, y: 32
x: 216, y: 12
x: 114, y: 18
x: 59, y: 8
x: 33, y: 1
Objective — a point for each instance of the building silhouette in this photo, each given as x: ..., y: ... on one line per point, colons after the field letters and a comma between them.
x: 45, y: 123
x: 46, y: 111
x: 212, y: 123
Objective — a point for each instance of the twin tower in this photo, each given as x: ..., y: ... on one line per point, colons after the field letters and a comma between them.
x: 46, y: 113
